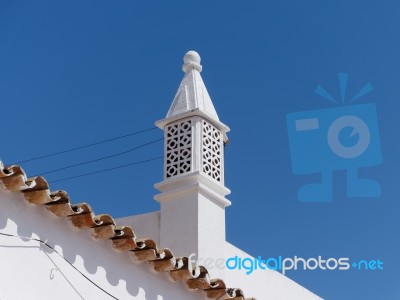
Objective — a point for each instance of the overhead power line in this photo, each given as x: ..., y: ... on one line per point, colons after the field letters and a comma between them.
x: 106, y: 170
x: 101, y: 158
x: 59, y: 254
x: 85, y: 146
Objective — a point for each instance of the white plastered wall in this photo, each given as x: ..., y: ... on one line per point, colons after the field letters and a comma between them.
x: 31, y: 271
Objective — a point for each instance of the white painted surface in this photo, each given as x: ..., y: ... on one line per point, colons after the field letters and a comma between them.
x: 193, y: 217
x: 193, y: 201
x: 192, y: 98
x: 192, y: 92
x: 26, y: 268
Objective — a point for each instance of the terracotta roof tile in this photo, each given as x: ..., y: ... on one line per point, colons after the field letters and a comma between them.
x: 36, y: 191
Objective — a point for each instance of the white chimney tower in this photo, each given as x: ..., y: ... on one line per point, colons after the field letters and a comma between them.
x: 192, y: 194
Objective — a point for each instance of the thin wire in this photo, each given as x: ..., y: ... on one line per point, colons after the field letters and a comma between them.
x: 84, y: 146
x: 101, y: 158
x: 105, y: 170
x: 57, y: 268
x: 59, y: 254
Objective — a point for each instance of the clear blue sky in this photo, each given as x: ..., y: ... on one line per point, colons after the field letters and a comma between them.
x: 76, y: 72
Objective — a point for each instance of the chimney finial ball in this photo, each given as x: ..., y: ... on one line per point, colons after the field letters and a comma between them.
x: 191, y: 60
x: 191, y: 57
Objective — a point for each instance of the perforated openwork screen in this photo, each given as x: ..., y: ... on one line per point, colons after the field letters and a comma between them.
x: 211, y: 151
x: 178, y: 148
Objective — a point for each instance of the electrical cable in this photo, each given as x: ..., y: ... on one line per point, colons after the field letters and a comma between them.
x: 84, y: 146
x: 101, y: 158
x: 59, y: 254
x: 105, y: 170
